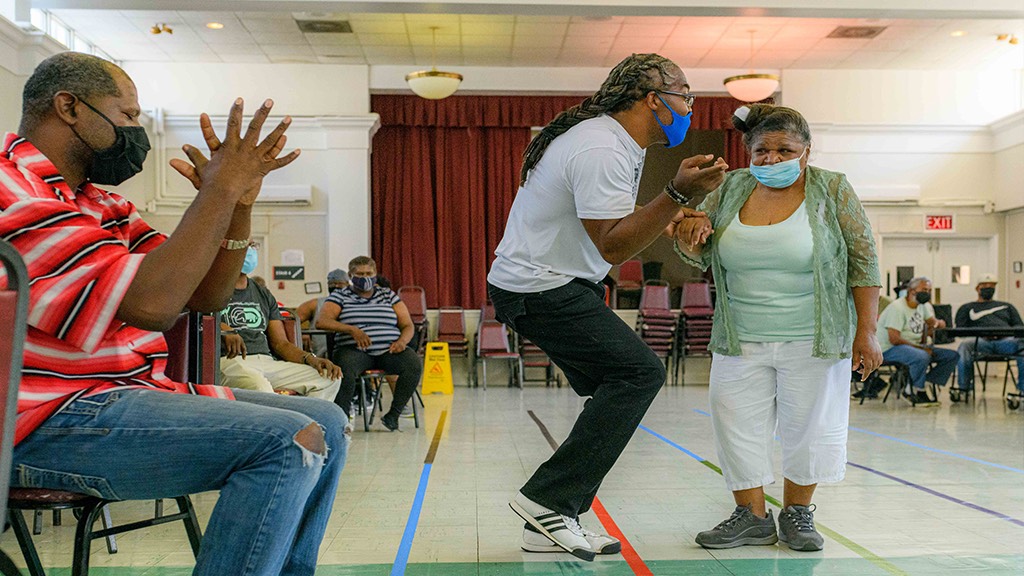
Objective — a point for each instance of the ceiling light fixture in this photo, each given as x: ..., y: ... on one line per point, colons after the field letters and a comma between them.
x: 433, y: 84
x: 958, y: 33
x: 1011, y: 38
x: 161, y: 28
x: 214, y: 25
x: 752, y: 87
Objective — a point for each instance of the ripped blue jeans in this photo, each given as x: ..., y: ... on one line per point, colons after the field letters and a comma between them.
x: 275, y: 494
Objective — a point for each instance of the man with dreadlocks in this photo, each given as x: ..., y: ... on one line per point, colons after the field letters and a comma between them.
x: 574, y: 217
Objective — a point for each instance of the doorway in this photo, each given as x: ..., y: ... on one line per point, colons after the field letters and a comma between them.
x: 953, y: 264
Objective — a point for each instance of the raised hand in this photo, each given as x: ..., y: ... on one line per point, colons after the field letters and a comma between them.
x: 238, y: 164
x: 693, y: 230
x: 692, y: 180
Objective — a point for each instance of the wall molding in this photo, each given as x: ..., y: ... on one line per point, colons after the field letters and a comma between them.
x: 21, y: 50
x: 1008, y: 132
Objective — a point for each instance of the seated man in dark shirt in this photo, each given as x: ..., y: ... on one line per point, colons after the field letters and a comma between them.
x: 987, y: 313
x: 253, y: 334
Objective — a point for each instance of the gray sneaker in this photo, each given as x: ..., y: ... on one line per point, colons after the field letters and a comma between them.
x: 796, y: 529
x: 743, y: 528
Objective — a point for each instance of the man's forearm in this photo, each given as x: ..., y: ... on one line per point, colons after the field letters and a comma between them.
x: 218, y: 284
x: 169, y: 275
x: 630, y: 235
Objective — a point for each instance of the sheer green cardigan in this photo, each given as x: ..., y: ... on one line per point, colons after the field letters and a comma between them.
x: 844, y: 257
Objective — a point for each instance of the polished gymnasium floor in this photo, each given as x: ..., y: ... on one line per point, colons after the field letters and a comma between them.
x: 929, y: 491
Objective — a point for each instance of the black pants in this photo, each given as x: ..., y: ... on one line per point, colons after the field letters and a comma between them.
x: 353, y: 362
x: 602, y: 358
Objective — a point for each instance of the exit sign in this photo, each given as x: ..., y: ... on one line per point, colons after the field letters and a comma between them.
x: 938, y: 223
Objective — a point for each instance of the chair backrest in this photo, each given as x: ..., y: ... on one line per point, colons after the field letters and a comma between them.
x: 487, y: 312
x: 292, y: 331
x: 13, y: 330
x: 696, y: 295
x: 415, y: 299
x: 451, y: 321
x: 208, y: 349
x: 178, y: 349
x: 632, y: 271
x: 492, y: 337
x: 655, y: 296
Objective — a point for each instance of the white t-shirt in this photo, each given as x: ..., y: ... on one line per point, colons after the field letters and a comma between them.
x: 591, y: 172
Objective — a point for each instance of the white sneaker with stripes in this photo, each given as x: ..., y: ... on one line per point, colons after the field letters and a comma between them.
x: 563, y: 531
x: 534, y: 541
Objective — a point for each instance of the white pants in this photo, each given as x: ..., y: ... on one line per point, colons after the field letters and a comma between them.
x: 267, y: 374
x: 780, y: 385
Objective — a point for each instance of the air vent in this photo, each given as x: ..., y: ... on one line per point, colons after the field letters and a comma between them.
x: 325, y: 26
x: 856, y: 32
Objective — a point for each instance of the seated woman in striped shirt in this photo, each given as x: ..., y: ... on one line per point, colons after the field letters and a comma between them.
x: 374, y: 330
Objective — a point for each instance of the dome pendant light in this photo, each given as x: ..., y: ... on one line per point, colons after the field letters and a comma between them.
x: 752, y: 87
x: 433, y: 84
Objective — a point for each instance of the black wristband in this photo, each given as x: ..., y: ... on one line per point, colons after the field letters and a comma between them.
x: 676, y: 196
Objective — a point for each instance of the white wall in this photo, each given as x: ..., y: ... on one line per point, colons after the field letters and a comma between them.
x: 10, y: 100
x: 297, y: 89
x: 904, y: 97
x: 1011, y: 285
x: 331, y: 124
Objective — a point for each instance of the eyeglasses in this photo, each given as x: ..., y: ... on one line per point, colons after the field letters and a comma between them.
x: 687, y: 97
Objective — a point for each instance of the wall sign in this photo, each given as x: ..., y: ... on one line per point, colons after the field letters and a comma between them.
x: 289, y: 272
x: 938, y: 223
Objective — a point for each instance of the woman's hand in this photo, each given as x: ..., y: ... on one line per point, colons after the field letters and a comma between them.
x: 693, y: 230
x: 362, y: 340
x: 397, y: 347
x: 867, y: 354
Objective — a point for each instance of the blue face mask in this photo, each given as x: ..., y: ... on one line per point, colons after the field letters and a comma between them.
x: 362, y: 284
x: 252, y: 258
x: 676, y: 131
x: 778, y: 175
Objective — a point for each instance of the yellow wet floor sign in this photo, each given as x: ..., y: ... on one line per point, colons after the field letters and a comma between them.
x: 437, y: 369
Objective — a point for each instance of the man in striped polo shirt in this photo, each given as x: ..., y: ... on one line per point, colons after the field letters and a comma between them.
x: 96, y: 413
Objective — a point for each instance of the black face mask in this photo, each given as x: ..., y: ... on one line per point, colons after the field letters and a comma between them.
x: 987, y: 293
x: 112, y: 166
x: 922, y: 297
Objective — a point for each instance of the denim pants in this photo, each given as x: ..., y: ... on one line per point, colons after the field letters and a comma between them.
x: 919, y: 360
x: 972, y: 347
x: 602, y: 358
x: 353, y: 362
x: 275, y: 495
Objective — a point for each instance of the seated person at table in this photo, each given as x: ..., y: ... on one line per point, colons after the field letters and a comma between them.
x: 374, y: 330
x: 902, y: 332
x: 307, y: 312
x: 251, y: 328
x: 987, y: 313
x: 96, y: 413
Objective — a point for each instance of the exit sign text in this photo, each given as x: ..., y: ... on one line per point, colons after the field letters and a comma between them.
x: 938, y: 223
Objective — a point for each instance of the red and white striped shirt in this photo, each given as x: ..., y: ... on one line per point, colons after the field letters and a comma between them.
x: 82, y: 249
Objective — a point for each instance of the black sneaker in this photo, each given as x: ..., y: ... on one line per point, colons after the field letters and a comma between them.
x: 390, y: 422
x: 921, y: 398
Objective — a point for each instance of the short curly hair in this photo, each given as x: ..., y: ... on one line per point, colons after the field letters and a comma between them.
x: 83, y: 75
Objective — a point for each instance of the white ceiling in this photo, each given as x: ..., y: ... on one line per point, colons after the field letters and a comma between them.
x: 542, y: 40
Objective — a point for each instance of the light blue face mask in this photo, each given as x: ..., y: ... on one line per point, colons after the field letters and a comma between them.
x: 676, y: 131
x: 780, y: 174
x: 252, y: 258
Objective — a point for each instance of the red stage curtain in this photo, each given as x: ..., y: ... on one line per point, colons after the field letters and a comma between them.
x: 444, y: 174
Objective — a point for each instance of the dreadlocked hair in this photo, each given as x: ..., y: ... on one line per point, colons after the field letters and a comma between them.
x: 631, y: 80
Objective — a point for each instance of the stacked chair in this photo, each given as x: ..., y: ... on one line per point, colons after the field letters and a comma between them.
x: 630, y: 282
x: 451, y: 329
x: 415, y: 299
x: 534, y: 357
x: 656, y: 322
x: 697, y: 315
x: 492, y: 344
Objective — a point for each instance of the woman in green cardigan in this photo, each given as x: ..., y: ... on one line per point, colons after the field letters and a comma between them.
x: 797, y: 275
